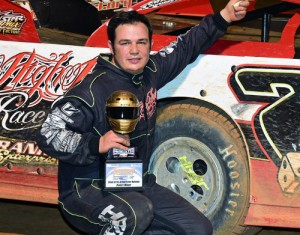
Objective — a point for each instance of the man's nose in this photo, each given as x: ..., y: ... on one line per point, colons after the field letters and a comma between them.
x: 134, y: 48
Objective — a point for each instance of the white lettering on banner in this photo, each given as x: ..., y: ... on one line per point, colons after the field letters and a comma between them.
x: 27, y: 78
x: 156, y: 3
x: 25, y: 152
x: 20, y: 147
x: 12, y: 115
x: 40, y: 77
x: 6, y: 156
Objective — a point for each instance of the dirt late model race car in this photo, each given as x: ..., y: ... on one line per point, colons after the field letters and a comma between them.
x: 227, y: 136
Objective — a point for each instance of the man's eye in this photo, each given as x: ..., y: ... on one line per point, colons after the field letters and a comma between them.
x: 124, y: 43
x: 142, y: 42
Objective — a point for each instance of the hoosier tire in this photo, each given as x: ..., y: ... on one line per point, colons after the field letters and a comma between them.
x: 201, y: 155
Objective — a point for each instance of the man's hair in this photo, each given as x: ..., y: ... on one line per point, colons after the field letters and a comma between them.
x: 127, y: 17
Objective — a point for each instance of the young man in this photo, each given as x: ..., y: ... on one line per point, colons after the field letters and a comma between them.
x: 77, y: 131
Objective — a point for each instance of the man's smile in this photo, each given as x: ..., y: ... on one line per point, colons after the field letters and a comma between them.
x: 134, y: 60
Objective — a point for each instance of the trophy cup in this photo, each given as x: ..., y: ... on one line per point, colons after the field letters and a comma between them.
x: 123, y: 169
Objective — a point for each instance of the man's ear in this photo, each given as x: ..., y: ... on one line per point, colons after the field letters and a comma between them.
x: 110, y: 47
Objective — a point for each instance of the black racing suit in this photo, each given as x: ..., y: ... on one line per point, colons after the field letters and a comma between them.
x: 72, y: 130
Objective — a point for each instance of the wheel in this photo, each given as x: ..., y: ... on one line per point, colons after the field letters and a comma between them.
x: 201, y: 155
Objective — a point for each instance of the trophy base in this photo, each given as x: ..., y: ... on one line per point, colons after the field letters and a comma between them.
x: 124, y: 175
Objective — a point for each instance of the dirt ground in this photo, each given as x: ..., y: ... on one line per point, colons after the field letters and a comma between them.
x: 40, y: 219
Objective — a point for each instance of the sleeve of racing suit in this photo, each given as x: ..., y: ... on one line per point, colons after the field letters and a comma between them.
x: 172, y: 59
x: 67, y: 134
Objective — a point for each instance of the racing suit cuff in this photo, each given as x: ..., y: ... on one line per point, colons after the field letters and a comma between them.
x: 221, y: 23
x: 94, y: 145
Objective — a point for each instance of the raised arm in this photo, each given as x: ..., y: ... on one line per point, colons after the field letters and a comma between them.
x: 235, y: 10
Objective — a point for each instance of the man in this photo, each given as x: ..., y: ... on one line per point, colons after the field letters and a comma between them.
x: 78, y: 133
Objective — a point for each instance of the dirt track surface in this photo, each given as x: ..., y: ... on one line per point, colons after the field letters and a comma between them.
x: 19, y: 218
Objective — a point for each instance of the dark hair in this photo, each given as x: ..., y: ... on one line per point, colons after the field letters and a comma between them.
x: 126, y: 17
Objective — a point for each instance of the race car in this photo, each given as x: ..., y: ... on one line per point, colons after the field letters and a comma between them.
x: 227, y: 136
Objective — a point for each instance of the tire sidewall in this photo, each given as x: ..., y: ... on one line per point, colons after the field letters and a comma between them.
x: 229, y: 151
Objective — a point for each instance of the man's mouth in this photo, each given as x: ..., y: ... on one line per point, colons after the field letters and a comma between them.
x: 134, y: 60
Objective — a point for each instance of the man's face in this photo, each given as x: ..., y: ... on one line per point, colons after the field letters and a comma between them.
x: 131, y: 48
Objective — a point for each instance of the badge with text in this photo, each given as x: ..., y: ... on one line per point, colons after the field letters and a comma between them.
x: 123, y: 169
x: 124, y: 174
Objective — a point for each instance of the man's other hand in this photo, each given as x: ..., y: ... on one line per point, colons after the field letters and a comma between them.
x: 235, y: 10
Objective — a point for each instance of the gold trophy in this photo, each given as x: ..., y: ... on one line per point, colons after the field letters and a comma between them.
x: 123, y: 169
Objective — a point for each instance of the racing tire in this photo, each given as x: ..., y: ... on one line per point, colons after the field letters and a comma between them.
x: 200, y: 154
